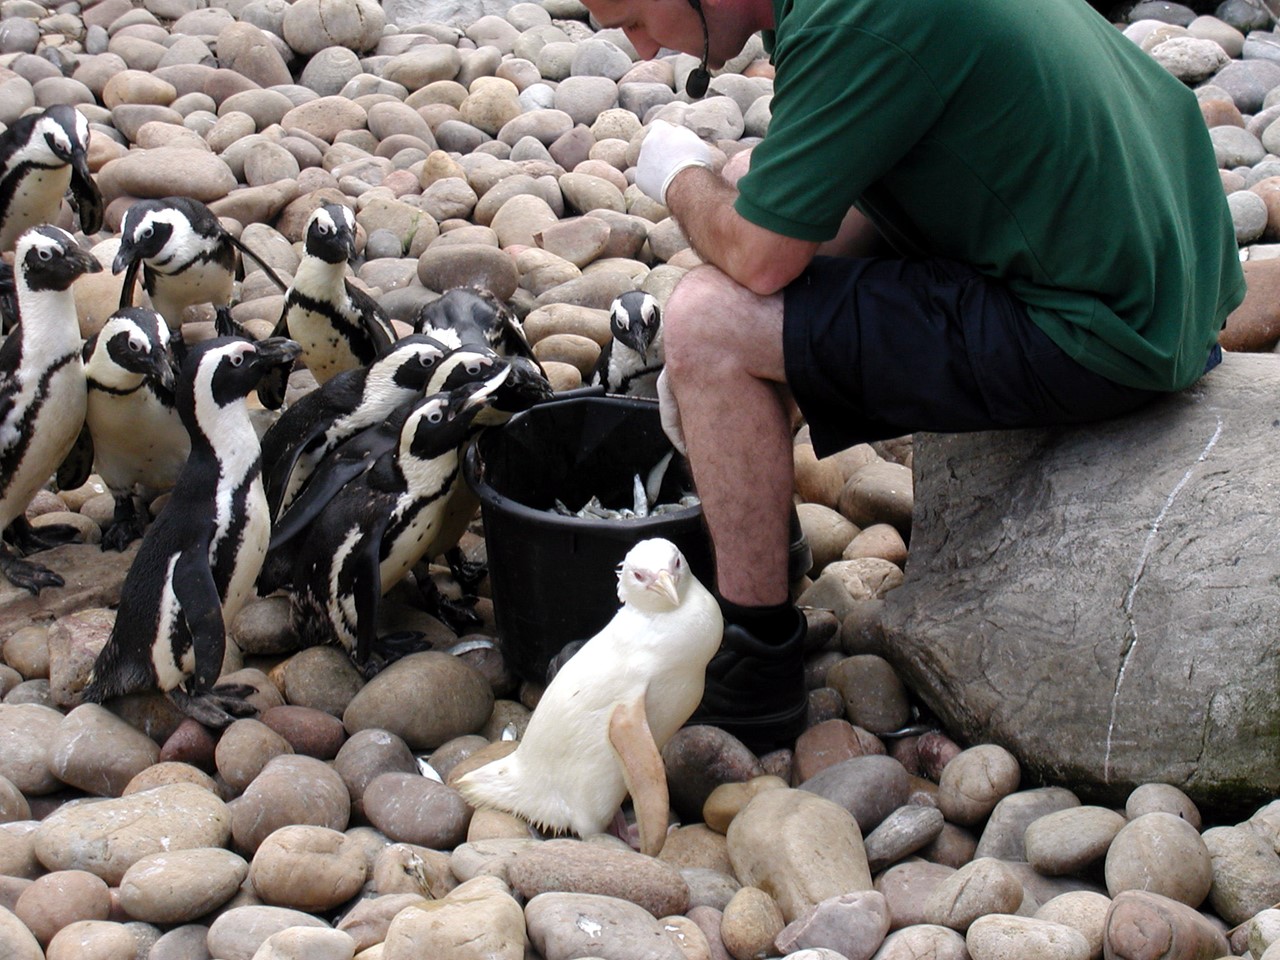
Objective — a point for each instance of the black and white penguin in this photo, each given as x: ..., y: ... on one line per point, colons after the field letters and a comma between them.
x: 339, y: 326
x: 42, y: 391
x: 186, y: 256
x: 629, y: 364
x: 198, y: 561
x: 42, y: 155
x: 341, y: 408
x: 374, y: 529
x: 474, y: 317
x: 139, y: 442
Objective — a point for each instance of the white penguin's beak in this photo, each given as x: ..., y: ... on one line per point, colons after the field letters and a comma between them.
x: 664, y: 586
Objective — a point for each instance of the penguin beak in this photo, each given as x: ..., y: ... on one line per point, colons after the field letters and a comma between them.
x: 82, y: 261
x: 486, y: 390
x: 664, y: 586
x: 161, y: 368
x: 349, y: 244
x: 125, y: 256
x: 87, y: 195
x: 274, y: 351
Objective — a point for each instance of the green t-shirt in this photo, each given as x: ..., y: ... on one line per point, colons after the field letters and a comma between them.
x: 1027, y: 138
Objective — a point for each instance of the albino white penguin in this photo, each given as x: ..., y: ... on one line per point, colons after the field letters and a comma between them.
x: 598, y: 731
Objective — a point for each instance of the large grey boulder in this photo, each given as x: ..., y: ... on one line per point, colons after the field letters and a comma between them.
x: 1104, y: 600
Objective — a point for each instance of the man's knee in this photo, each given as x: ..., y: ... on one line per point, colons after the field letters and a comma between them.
x: 693, y: 313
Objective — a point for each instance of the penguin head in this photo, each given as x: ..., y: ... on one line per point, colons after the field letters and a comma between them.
x: 442, y: 421
x: 526, y: 386
x: 217, y: 373
x: 653, y: 576
x: 148, y: 227
x: 464, y: 365
x: 65, y: 132
x: 409, y: 365
x: 331, y: 234
x: 48, y: 258
x: 473, y: 314
x: 635, y: 320
x: 136, y: 341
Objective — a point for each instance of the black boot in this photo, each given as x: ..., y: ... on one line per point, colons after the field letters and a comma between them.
x: 755, y: 689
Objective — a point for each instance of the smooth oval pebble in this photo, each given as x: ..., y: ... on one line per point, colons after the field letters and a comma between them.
x: 1163, y: 854
x: 181, y: 886
x: 107, y: 837
x: 1002, y: 937
x: 307, y: 868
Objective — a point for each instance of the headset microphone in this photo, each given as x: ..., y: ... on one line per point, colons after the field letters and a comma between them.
x: 699, y: 78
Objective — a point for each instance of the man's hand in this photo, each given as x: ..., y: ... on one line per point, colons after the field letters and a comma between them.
x: 668, y: 149
x: 670, y: 414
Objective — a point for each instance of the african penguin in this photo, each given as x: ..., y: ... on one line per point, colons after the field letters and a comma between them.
x: 198, y: 561
x: 375, y: 528
x: 339, y: 326
x: 42, y: 389
x: 472, y: 317
x: 343, y: 406
x: 139, y: 442
x: 186, y: 256
x: 41, y: 156
x: 630, y: 363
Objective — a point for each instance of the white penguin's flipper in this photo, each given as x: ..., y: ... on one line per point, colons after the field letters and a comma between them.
x: 643, y: 772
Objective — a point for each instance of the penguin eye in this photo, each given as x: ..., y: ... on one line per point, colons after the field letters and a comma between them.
x: 145, y: 232
x: 435, y: 416
x: 473, y: 367
x: 237, y: 359
x: 136, y: 345
x: 324, y: 227
x: 44, y: 253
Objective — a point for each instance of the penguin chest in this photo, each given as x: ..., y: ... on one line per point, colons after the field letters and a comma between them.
x: 416, y: 518
x: 137, y: 442
x: 37, y: 198
x: 204, y: 281
x: 242, y: 532
x: 326, y: 337
x: 37, y: 434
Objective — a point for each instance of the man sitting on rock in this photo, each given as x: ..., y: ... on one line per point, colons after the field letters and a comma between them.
x: 1061, y: 251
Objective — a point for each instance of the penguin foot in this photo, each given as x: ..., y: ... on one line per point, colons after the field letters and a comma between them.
x: 31, y: 539
x: 468, y: 573
x: 389, y: 648
x: 26, y: 574
x: 119, y: 534
x: 216, y: 708
x: 458, y: 615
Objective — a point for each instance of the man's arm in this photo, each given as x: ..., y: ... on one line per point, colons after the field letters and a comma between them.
x: 762, y: 261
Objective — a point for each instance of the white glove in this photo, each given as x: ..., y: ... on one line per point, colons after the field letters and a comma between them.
x: 668, y: 149
x: 670, y: 414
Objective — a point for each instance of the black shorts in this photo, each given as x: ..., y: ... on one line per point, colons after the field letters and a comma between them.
x: 879, y: 348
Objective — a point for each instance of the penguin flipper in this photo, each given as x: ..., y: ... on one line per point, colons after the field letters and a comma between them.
x: 77, y: 465
x: 262, y: 264
x: 642, y: 771
x: 366, y: 587
x: 342, y: 465
x: 197, y: 593
x: 279, y: 464
x: 87, y: 199
x: 377, y: 325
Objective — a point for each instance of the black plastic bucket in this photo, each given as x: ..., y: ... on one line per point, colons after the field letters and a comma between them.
x: 554, y: 577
